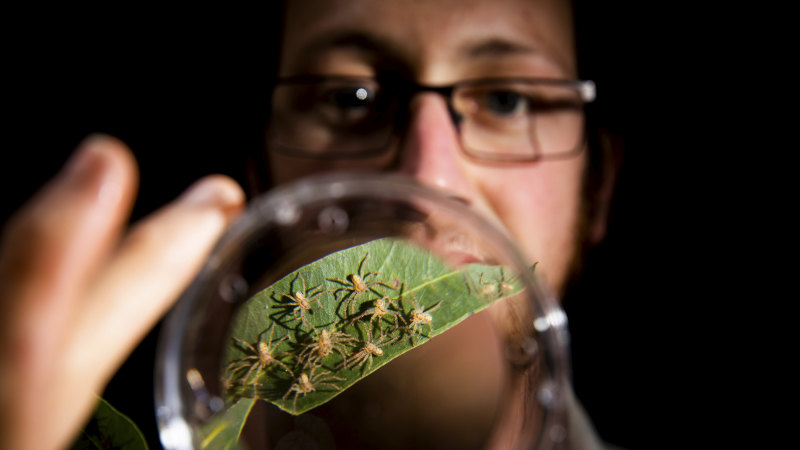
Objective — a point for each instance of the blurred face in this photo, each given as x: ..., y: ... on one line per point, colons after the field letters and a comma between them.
x: 441, y: 42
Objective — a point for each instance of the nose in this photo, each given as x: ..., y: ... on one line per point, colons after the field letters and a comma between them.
x: 429, y: 148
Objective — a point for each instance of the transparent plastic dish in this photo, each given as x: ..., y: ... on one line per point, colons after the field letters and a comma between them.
x: 497, y: 379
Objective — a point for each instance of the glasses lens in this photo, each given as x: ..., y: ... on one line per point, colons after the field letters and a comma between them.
x: 517, y: 121
x: 330, y: 118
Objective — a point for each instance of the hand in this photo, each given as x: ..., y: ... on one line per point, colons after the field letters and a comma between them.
x: 76, y: 296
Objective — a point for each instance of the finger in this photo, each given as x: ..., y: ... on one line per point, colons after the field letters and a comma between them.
x: 56, y: 243
x: 153, y: 266
x: 53, y: 247
x: 50, y: 250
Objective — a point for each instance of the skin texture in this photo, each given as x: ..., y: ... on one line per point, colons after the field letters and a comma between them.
x: 78, y: 293
x: 441, y: 42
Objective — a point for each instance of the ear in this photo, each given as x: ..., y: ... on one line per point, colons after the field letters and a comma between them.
x: 612, y: 149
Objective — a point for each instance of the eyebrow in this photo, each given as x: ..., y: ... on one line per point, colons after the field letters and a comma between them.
x: 354, y: 40
x: 374, y: 46
x: 496, y: 47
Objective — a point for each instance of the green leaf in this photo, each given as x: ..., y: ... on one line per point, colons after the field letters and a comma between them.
x: 109, y: 428
x: 317, y: 331
x: 223, y: 431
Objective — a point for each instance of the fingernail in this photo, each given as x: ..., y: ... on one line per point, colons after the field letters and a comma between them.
x: 215, y: 191
x: 86, y: 161
x: 91, y: 170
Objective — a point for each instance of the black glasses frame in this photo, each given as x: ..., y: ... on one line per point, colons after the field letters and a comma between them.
x: 403, y: 90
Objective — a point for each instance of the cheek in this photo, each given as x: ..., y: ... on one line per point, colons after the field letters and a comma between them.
x: 284, y: 169
x: 539, y: 205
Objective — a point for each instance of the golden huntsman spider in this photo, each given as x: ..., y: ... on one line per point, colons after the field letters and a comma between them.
x: 310, y: 382
x: 260, y: 357
x: 357, y: 284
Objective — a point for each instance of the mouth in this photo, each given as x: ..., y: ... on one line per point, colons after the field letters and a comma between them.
x: 461, y: 258
x: 460, y: 248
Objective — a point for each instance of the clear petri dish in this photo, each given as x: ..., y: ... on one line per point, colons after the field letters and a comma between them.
x: 496, y: 377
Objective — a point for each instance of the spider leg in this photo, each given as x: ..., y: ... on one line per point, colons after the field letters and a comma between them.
x: 245, y: 345
x: 340, y: 281
x: 413, y: 332
x: 326, y: 383
x: 349, y: 302
x: 291, y: 283
x: 301, y: 317
x: 399, y: 316
x: 284, y: 367
x: 344, y: 356
x: 303, y: 280
x: 391, y: 341
x: 375, y: 291
x: 359, y: 359
x: 294, y: 402
x: 311, y: 291
x: 270, y: 344
x: 246, y: 376
x: 385, y: 284
x: 296, y: 391
x: 361, y: 264
x: 361, y: 316
x: 239, y: 363
x: 306, y: 350
x: 434, y: 308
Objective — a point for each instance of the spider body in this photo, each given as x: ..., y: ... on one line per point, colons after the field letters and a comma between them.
x: 323, y: 345
x: 310, y: 382
x: 488, y: 289
x: 260, y: 357
x: 356, y: 284
x: 359, y: 286
x: 505, y: 287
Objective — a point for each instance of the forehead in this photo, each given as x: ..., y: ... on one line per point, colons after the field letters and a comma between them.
x: 435, y: 40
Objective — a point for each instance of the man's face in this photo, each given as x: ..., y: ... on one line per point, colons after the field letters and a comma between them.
x: 440, y: 42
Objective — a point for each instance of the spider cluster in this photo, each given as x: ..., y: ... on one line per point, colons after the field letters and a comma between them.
x: 372, y: 314
x: 495, y: 288
x: 313, y: 373
x: 390, y: 312
x: 380, y: 311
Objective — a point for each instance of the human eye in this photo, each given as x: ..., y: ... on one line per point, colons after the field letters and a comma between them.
x: 330, y: 115
x: 514, y: 103
x: 495, y: 105
x: 504, y: 103
x: 344, y: 104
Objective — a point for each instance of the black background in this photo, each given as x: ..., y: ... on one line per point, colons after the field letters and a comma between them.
x: 185, y: 89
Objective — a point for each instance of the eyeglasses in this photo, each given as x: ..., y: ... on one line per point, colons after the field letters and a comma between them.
x: 498, y: 119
